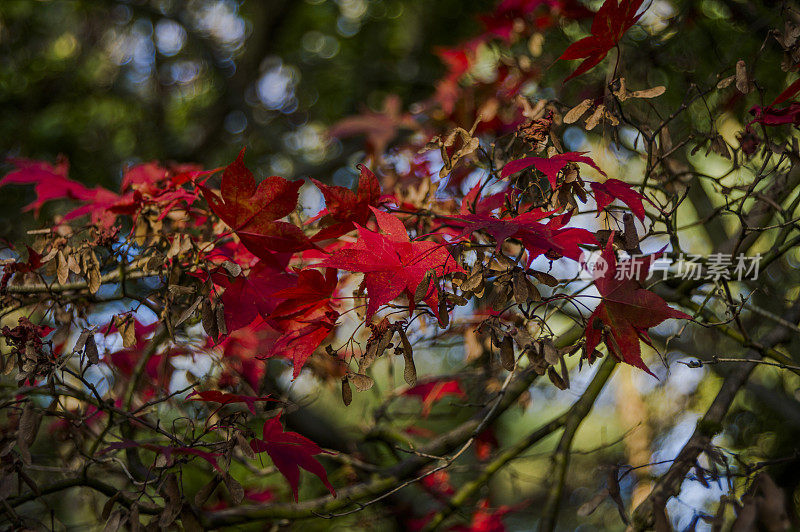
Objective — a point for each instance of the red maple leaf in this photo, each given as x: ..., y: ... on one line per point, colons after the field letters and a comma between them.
x: 253, y: 211
x: 627, y: 310
x: 549, y: 166
x: 552, y: 238
x: 148, y: 183
x: 379, y: 128
x: 485, y: 519
x: 304, y: 317
x: 769, y: 116
x: 345, y: 208
x: 223, y: 398
x: 251, y: 295
x: 610, y: 23
x: 433, y: 390
x: 611, y: 189
x: 392, y: 263
x: 289, y: 452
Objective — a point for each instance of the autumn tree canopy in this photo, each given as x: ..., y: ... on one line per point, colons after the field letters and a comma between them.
x: 553, y: 286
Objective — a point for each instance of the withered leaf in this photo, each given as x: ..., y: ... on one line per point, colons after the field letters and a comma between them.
x: 410, y: 370
x: 172, y: 495
x: 62, y: 268
x: 507, y: 353
x: 108, y: 506
x: 347, y: 392
x: 114, y: 521
x: 652, y: 92
x: 743, y: 83
x: 244, y: 446
x: 556, y: 379
x: 595, y: 117
x: 222, y: 328
x: 423, y: 287
x: 90, y: 350
x: 614, y: 493
x: 133, y: 518
x: 209, y: 319
x: 205, y: 492
x: 574, y: 114
x: 443, y: 314
x: 125, y: 326
x: 521, y: 293
x: 186, y: 314
x: 544, y: 278
x: 81, y: 341
x: 232, y: 268
x: 28, y: 428
x: 550, y: 351
x: 474, y: 282
x: 235, y: 489
x: 361, y: 382
x: 725, y: 82
x: 189, y: 521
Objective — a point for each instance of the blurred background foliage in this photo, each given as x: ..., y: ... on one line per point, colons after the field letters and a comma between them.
x: 112, y: 83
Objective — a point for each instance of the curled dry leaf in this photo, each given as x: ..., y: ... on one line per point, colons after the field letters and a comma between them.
x: 574, y: 114
x: 243, y: 445
x: 423, y: 288
x: 90, y: 350
x: 28, y: 428
x: 209, y: 319
x: 235, y: 489
x: 652, y: 92
x: 507, y: 353
x: 347, y: 392
x: 410, y: 370
x: 205, y: 492
x: 360, y: 381
x: 743, y: 83
x: 62, y: 268
x: 443, y: 314
x: 172, y: 495
x: 556, y: 379
x: 186, y: 314
x: 725, y: 82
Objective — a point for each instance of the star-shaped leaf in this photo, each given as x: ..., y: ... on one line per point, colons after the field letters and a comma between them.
x: 289, y: 452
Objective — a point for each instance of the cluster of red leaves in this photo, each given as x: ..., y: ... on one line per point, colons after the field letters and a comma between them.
x: 627, y: 310
x: 223, y: 398
x: 290, y: 451
x: 434, y: 390
x: 610, y: 23
x: 770, y: 116
x: 392, y: 264
x: 25, y: 334
x: 145, y: 184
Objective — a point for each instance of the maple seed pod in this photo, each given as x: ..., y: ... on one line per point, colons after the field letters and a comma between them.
x: 507, y: 353
x: 205, y: 492
x: 556, y: 379
x: 361, y: 382
x: 444, y: 314
x: 423, y: 287
x: 410, y: 370
x: 91, y: 350
x: 347, y: 392
x: 209, y: 320
x: 222, y: 328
